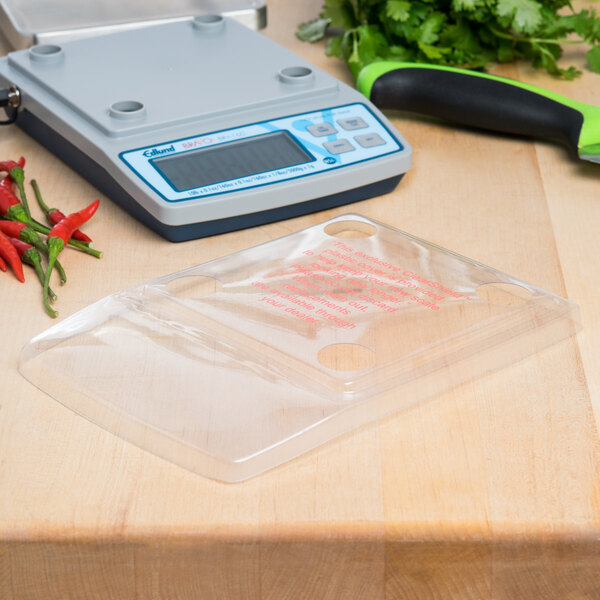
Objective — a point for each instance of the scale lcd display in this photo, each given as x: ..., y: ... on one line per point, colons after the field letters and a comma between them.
x: 231, y: 160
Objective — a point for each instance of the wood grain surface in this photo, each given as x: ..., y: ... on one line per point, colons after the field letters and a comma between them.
x: 490, y: 491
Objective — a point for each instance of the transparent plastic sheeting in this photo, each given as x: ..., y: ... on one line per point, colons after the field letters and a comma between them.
x: 240, y: 364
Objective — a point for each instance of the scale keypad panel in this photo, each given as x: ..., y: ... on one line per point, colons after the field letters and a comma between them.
x: 254, y: 155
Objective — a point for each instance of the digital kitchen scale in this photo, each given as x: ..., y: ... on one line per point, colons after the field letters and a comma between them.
x: 204, y: 126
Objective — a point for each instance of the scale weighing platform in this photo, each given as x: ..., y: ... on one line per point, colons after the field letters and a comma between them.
x: 204, y: 126
x: 28, y: 22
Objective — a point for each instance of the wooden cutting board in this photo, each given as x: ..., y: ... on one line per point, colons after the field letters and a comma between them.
x: 490, y: 491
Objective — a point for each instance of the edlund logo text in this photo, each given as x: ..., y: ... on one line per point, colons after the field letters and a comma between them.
x: 157, y: 152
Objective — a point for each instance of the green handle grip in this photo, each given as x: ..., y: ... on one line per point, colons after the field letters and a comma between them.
x: 485, y: 101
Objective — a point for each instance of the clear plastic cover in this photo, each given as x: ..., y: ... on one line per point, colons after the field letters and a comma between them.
x: 237, y: 365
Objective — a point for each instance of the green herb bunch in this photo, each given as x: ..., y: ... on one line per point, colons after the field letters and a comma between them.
x: 461, y: 33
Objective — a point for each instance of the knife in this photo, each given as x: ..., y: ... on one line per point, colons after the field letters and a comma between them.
x: 483, y: 101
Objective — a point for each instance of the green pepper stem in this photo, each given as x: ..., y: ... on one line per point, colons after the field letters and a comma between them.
x: 17, y: 213
x: 83, y: 246
x: 74, y: 243
x: 18, y: 176
x: 55, y: 247
x: 40, y: 200
x: 61, y: 273
x: 32, y: 257
x: 29, y: 235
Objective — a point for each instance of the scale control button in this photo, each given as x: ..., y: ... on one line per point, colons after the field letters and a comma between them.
x: 352, y: 123
x: 369, y: 139
x: 321, y: 129
x: 339, y: 146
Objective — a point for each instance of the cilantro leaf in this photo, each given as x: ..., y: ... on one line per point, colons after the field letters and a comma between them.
x: 428, y: 32
x: 398, y: 10
x: 464, y: 33
x: 466, y: 5
x: 593, y: 58
x: 340, y: 13
x: 313, y: 30
x: 433, y: 52
x: 524, y: 16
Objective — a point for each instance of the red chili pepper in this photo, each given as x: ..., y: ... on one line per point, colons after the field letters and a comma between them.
x: 31, y: 256
x: 11, y: 256
x: 20, y: 246
x: 59, y: 236
x: 24, y: 233
x: 15, y: 170
x: 11, y: 164
x: 8, y: 165
x: 12, y: 209
x: 12, y: 228
x: 7, y: 181
x: 2, y: 265
x: 55, y: 216
x: 64, y: 230
x: 7, y: 199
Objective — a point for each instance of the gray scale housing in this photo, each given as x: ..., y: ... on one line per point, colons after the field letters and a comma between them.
x: 90, y: 101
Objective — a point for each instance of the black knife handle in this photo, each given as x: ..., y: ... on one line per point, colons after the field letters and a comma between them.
x: 474, y: 99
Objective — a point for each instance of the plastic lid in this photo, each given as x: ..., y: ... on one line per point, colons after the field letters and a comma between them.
x: 237, y: 365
